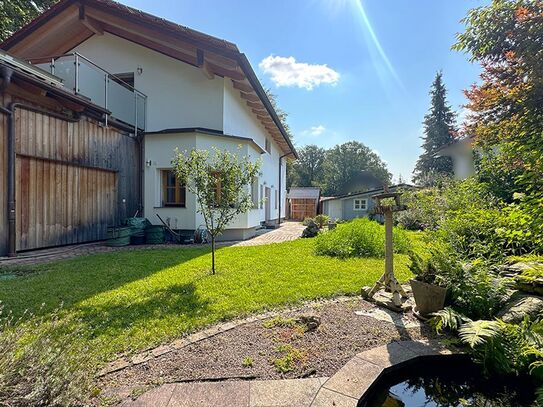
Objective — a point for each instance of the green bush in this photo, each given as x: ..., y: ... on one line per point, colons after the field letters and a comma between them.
x: 360, y: 238
x: 40, y: 363
x: 322, y: 220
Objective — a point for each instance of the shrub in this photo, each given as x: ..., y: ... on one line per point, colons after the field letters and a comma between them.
x: 307, y: 221
x: 360, y: 238
x: 40, y: 363
x: 322, y: 220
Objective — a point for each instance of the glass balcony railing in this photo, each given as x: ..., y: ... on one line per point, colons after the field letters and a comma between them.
x: 102, y: 88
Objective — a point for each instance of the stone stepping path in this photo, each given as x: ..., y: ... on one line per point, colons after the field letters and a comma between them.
x: 343, y: 389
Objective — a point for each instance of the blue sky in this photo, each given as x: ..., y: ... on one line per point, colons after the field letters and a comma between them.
x: 343, y: 69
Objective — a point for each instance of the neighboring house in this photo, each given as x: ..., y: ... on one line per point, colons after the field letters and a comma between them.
x: 64, y: 176
x: 461, y: 153
x: 356, y: 204
x: 303, y: 202
x: 177, y: 87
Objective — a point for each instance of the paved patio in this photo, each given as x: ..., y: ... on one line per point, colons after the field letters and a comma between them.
x: 343, y: 389
x: 285, y: 232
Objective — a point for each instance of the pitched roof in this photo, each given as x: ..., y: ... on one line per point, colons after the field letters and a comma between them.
x: 369, y: 191
x: 70, y: 22
x: 304, y: 193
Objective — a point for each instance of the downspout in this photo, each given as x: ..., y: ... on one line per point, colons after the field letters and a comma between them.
x: 280, y: 189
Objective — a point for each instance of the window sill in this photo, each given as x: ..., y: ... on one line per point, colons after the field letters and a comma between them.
x: 170, y: 206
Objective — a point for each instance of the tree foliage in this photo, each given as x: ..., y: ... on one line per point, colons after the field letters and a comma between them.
x: 507, y: 106
x: 220, y: 181
x: 347, y: 167
x: 308, y: 170
x: 14, y: 14
x: 439, y: 130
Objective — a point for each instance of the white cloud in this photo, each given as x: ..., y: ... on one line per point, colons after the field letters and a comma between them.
x: 285, y: 71
x: 314, y: 131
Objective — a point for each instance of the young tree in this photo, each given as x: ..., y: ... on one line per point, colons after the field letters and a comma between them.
x: 221, y: 183
x: 16, y: 13
x: 439, y: 130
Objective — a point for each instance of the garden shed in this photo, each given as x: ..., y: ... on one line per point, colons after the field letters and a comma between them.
x: 303, y: 202
x: 65, y: 175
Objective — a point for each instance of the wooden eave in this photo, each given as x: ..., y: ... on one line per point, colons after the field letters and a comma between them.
x: 71, y: 22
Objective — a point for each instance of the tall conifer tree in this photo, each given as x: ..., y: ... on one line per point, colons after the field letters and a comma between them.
x: 439, y: 129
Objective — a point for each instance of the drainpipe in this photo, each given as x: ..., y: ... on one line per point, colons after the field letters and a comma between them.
x: 280, y: 189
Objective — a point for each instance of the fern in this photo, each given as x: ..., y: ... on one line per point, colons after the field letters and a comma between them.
x: 447, y: 318
x: 479, y: 332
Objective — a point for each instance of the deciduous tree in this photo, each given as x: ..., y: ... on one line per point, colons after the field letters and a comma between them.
x: 14, y: 14
x: 220, y: 180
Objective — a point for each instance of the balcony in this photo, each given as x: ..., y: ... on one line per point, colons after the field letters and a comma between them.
x: 79, y: 74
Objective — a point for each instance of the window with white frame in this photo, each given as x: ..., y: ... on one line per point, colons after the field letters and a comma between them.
x: 268, y: 145
x: 360, y: 204
x: 254, y: 192
x: 261, y: 196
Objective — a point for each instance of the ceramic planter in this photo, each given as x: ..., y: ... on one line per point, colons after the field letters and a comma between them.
x: 429, y: 298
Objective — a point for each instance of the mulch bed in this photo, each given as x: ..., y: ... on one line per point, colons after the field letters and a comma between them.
x: 271, y: 349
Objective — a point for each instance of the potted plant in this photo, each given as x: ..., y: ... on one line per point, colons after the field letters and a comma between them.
x: 428, y: 286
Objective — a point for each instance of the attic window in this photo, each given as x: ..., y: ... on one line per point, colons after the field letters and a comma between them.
x: 268, y: 145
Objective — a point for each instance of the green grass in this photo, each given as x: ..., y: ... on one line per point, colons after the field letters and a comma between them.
x: 128, y: 301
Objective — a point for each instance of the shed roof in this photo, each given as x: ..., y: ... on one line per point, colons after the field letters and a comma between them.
x: 368, y: 192
x: 304, y: 193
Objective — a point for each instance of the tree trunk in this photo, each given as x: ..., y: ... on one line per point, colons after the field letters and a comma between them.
x: 212, y: 254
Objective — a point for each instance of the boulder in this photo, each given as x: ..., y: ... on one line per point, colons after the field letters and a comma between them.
x: 311, y: 230
x: 521, y: 305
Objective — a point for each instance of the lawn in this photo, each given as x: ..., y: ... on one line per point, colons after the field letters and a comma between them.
x: 131, y: 300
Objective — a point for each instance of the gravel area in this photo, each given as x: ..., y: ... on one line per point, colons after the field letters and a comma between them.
x: 276, y: 348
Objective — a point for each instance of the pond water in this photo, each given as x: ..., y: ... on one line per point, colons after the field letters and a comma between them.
x: 454, y: 383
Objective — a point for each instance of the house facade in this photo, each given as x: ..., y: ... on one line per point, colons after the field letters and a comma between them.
x: 355, y: 205
x: 461, y: 153
x: 177, y: 88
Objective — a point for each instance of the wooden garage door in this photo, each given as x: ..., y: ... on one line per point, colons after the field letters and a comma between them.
x: 59, y: 203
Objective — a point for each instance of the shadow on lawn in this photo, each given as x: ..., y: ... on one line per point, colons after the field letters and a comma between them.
x: 72, y: 281
x: 112, y: 320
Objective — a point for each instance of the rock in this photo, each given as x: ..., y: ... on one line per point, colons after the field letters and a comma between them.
x: 511, y: 270
x: 521, y: 305
x: 311, y: 322
x: 311, y: 230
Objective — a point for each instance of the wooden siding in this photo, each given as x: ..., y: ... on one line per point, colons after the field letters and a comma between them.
x: 3, y: 178
x: 73, y: 180
x: 299, y: 209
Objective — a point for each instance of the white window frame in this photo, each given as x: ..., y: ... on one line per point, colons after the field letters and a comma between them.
x: 360, y: 204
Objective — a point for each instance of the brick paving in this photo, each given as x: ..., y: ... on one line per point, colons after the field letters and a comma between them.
x: 286, y: 232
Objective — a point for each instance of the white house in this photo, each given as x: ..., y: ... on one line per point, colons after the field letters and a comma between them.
x: 461, y: 153
x: 173, y: 87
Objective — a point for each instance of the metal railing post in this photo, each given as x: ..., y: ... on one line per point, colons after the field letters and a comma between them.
x: 105, y: 95
x: 76, y: 90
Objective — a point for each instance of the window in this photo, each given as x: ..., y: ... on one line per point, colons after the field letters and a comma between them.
x: 173, y: 193
x: 360, y: 204
x: 262, y: 196
x: 268, y: 145
x: 254, y: 192
x: 276, y: 199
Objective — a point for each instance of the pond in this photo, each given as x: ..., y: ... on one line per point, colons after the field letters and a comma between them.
x: 447, y: 382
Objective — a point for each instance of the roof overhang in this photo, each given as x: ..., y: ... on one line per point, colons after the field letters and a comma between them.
x: 68, y: 23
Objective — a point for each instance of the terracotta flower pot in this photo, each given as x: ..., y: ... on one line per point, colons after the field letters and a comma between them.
x: 429, y: 298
